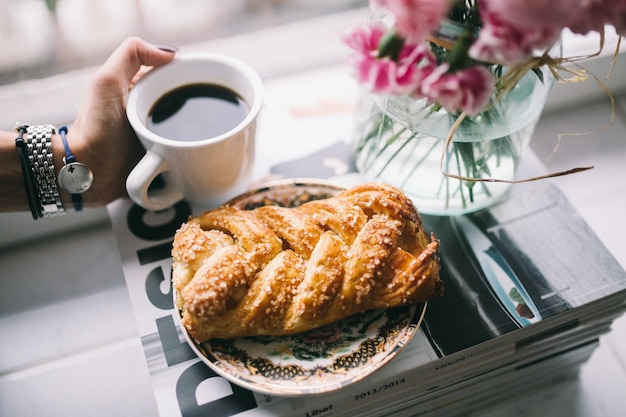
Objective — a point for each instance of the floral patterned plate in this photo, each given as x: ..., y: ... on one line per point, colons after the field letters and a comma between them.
x: 316, y: 361
x: 320, y: 360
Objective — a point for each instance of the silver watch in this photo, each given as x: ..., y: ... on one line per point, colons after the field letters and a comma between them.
x: 39, y: 145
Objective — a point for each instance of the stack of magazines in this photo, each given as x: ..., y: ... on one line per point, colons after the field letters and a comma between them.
x: 529, y: 289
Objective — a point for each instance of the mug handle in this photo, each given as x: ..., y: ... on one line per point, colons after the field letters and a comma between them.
x: 140, y: 178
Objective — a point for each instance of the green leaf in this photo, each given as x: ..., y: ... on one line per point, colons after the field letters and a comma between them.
x: 390, y: 45
x: 52, y: 5
x: 538, y: 73
x: 459, y: 55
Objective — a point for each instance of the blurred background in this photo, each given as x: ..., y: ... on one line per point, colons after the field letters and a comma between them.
x: 40, y: 38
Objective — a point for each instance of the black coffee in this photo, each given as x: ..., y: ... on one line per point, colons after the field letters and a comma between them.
x: 196, y: 112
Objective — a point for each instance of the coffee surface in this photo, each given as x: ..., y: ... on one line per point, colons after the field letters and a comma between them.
x: 196, y: 111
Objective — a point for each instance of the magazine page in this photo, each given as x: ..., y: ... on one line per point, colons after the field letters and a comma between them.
x: 502, y: 283
x: 525, y: 260
x: 184, y: 385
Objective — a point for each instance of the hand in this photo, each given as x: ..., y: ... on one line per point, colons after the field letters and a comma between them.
x: 101, y: 136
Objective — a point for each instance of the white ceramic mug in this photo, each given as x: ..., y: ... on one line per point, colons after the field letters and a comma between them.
x: 208, y: 171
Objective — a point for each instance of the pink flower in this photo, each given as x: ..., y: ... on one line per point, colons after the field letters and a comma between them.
x: 503, y: 44
x: 415, y: 19
x: 513, y: 29
x: 532, y: 13
x: 384, y: 74
x: 466, y: 90
x: 597, y: 13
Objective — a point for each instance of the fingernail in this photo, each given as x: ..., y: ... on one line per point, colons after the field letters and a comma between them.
x: 168, y: 48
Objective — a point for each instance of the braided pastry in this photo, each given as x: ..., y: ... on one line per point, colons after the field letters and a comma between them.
x: 276, y: 270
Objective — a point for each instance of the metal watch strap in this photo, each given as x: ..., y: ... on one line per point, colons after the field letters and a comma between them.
x: 39, y: 143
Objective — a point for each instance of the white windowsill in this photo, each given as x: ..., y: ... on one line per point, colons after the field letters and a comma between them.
x: 291, y: 48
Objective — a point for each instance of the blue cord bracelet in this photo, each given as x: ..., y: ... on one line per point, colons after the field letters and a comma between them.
x: 74, y: 177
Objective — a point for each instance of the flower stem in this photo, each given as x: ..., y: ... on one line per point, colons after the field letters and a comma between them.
x: 381, y: 129
x: 418, y: 164
x: 393, y: 156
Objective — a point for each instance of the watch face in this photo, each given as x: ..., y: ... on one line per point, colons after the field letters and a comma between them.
x: 75, y: 178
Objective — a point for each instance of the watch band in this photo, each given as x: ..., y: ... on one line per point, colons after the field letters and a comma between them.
x: 74, y: 177
x: 39, y: 145
x: 28, y: 175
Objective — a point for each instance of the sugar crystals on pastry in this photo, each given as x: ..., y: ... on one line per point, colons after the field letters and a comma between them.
x: 276, y: 270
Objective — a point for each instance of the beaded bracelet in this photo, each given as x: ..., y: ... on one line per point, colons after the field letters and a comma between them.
x: 32, y: 195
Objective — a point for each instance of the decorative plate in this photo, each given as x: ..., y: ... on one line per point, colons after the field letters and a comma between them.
x: 320, y: 360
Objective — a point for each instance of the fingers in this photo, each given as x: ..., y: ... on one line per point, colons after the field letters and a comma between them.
x: 133, y: 54
x: 143, y: 70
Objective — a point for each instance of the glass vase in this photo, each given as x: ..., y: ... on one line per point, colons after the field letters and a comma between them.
x: 402, y: 141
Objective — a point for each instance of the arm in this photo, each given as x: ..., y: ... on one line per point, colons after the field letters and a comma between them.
x: 100, y: 137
